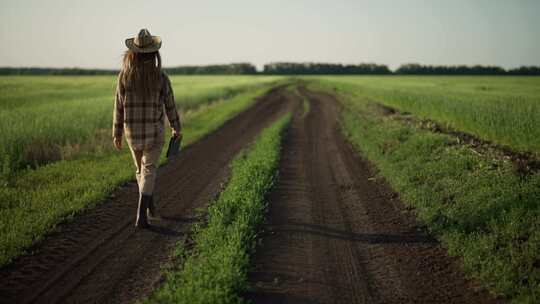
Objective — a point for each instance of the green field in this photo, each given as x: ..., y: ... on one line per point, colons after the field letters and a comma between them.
x: 504, y: 110
x: 45, y: 119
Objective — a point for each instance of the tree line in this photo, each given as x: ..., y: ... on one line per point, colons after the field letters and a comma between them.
x: 418, y: 69
x: 293, y: 68
x: 216, y: 69
x: 313, y: 68
x: 55, y: 71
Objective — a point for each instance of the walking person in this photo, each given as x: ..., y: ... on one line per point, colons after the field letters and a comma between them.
x: 143, y: 95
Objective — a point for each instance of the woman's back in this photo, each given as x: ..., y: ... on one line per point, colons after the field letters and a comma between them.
x: 143, y: 89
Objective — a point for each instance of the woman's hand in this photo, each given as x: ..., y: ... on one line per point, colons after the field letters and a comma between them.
x: 118, y: 143
x: 177, y: 134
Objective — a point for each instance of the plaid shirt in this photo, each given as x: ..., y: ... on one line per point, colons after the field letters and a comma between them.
x: 142, y: 119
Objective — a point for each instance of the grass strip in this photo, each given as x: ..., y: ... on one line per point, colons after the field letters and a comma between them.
x: 475, y: 204
x: 40, y: 199
x: 216, y: 270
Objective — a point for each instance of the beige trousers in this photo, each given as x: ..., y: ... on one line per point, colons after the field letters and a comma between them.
x: 147, y: 161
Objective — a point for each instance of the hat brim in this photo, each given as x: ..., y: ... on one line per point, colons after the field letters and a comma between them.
x: 153, y: 47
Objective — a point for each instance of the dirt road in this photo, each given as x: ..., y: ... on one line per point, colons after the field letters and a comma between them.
x: 336, y: 234
x: 100, y: 257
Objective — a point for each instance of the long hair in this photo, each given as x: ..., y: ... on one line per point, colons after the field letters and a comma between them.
x: 141, y: 73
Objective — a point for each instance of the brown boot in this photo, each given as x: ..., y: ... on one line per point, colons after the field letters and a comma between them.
x: 142, y: 221
x: 152, y: 213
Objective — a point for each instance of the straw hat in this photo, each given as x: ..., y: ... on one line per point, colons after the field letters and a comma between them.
x: 144, y: 42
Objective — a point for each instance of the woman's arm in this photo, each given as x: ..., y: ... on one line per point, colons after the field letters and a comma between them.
x: 170, y: 108
x: 118, y: 118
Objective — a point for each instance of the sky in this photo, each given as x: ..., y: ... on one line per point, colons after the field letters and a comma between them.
x: 91, y: 34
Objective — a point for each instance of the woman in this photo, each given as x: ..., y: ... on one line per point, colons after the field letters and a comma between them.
x: 142, y: 92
